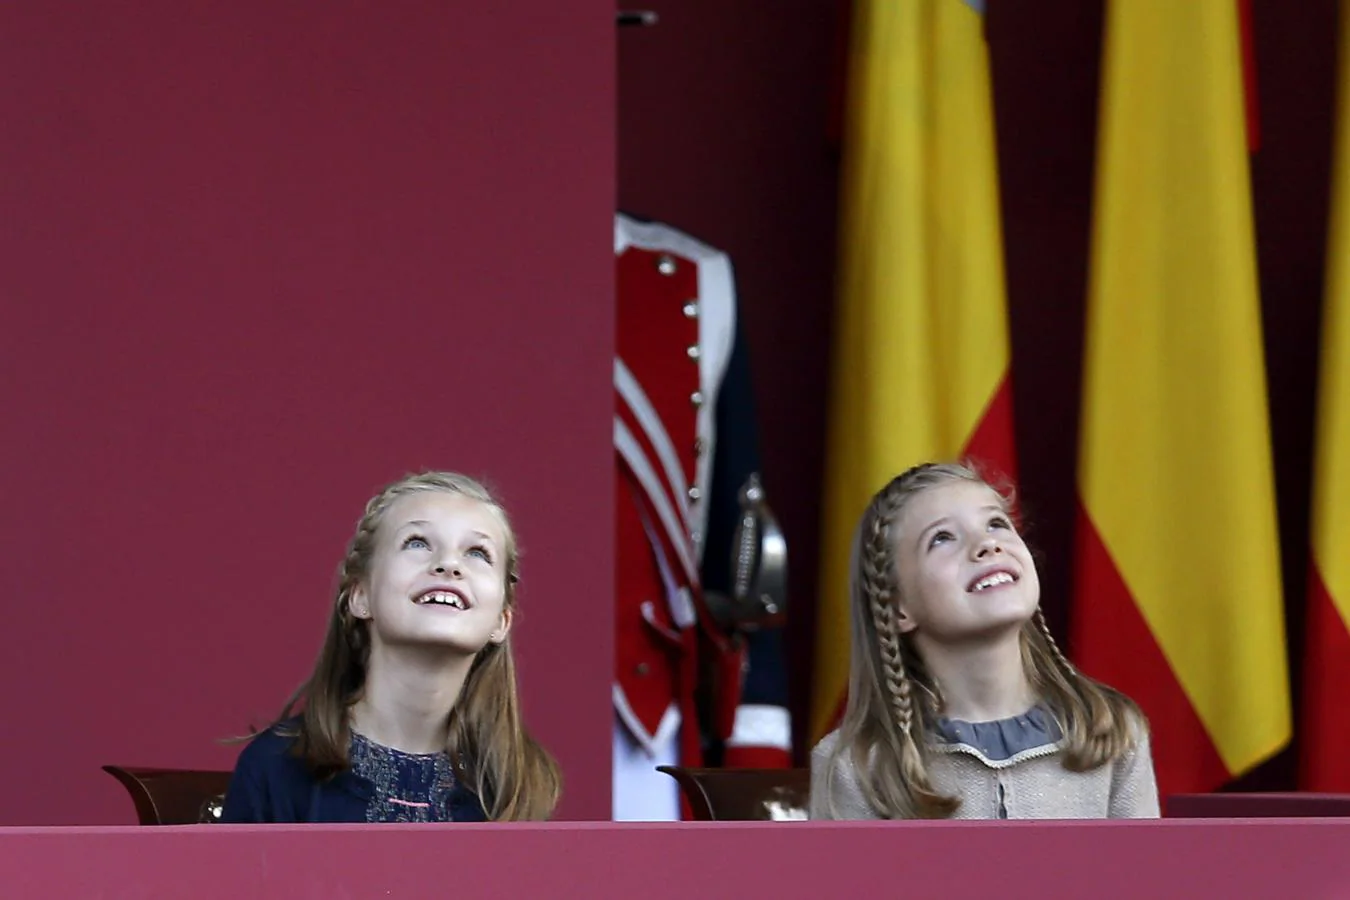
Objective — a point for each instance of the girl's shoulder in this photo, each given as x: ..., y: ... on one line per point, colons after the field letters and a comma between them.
x: 272, y: 748
x: 269, y: 782
x: 1134, y: 731
x: 835, y: 789
x: 832, y: 761
x: 825, y: 746
x: 1138, y: 732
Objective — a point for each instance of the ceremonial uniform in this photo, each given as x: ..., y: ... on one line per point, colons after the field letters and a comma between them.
x: 684, y: 450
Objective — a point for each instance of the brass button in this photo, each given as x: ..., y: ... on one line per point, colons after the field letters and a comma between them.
x: 696, y: 398
x: 693, y: 351
x: 642, y: 669
x: 691, y: 310
x: 695, y: 494
x: 666, y: 265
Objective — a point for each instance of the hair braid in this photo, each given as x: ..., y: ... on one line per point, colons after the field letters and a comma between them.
x: 1097, y: 719
x: 908, y: 791
x: 878, y: 584
x: 1060, y: 658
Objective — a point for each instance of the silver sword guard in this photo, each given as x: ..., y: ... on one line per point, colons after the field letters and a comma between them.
x: 759, y: 562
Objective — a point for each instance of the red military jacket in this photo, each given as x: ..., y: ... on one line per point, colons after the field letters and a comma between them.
x: 676, y: 322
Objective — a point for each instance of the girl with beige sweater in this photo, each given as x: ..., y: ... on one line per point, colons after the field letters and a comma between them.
x: 960, y: 703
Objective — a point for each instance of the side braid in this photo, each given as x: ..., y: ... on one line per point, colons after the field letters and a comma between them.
x: 1071, y: 676
x: 877, y: 582
x: 912, y: 793
x: 1097, y: 719
x: 884, y: 730
x: 1060, y: 659
x: 350, y: 570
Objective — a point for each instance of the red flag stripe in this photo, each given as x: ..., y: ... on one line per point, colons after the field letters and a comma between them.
x: 1109, y: 630
x: 1326, y: 729
x: 991, y: 443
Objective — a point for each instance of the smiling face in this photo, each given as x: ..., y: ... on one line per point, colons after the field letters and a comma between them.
x: 438, y: 574
x: 964, y: 573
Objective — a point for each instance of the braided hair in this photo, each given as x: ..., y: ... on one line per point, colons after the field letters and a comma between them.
x: 893, y: 700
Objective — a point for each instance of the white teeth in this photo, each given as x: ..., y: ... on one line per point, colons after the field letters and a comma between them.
x: 442, y: 598
x: 992, y: 581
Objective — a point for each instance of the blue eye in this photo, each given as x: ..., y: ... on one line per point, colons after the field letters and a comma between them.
x: 1000, y: 522
x: 415, y: 542
x: 481, y: 552
x: 939, y: 537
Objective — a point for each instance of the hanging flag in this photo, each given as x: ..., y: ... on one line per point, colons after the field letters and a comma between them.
x: 921, y: 354
x: 1177, y: 585
x: 1326, y: 676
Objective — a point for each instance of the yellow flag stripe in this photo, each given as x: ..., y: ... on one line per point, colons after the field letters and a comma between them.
x: 921, y: 331
x: 1176, y: 468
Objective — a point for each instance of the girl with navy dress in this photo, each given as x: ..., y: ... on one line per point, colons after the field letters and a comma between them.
x: 411, y: 713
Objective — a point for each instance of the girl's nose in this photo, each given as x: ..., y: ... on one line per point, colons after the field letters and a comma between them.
x: 452, y: 568
x: 989, y: 545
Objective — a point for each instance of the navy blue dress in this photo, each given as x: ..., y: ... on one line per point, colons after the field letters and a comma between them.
x: 269, y: 784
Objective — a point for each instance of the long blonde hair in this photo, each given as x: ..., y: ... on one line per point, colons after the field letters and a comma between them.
x: 887, y: 727
x: 514, y: 777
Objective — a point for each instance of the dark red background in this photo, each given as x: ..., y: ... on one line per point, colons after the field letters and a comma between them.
x: 724, y: 123
x: 256, y: 260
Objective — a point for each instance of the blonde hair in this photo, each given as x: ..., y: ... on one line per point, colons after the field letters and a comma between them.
x: 893, y: 701
x: 514, y: 777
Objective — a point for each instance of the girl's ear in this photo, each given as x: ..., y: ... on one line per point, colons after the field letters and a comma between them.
x: 904, y: 622
x: 499, y: 634
x: 357, y: 605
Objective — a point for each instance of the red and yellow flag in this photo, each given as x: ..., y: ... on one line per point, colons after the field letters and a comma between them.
x: 1177, y: 587
x: 921, y: 358
x: 1326, y: 710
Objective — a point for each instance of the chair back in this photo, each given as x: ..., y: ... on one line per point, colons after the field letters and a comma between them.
x: 174, y: 796
x: 744, y: 795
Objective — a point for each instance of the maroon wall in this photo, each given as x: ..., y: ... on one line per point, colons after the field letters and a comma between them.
x: 724, y: 122
x: 258, y: 259
x: 1107, y: 860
